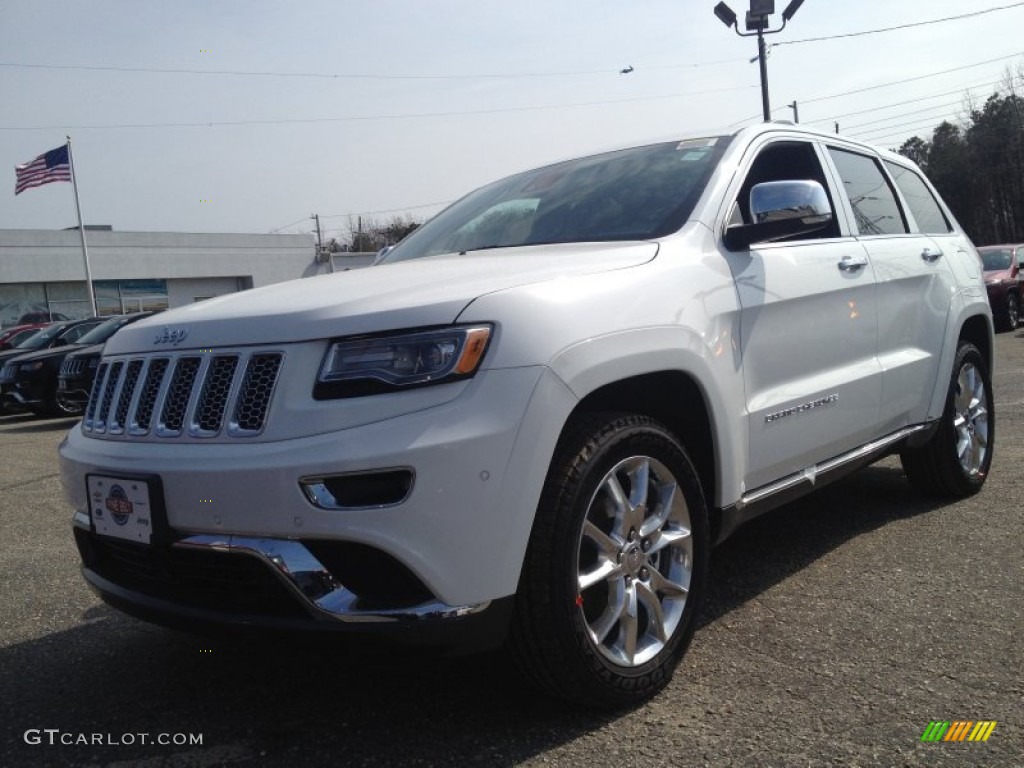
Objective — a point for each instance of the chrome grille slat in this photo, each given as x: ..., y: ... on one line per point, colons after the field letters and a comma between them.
x: 94, y: 396
x: 124, y: 396
x: 144, y: 408
x: 113, y: 375
x: 186, y: 395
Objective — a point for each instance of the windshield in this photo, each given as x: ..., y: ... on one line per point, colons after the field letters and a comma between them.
x: 998, y: 259
x: 42, y: 338
x: 632, y: 194
x: 104, y: 330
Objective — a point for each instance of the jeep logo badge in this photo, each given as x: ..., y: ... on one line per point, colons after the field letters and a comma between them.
x: 170, y: 335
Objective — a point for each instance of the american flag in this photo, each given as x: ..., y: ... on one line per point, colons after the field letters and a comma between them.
x: 49, y: 166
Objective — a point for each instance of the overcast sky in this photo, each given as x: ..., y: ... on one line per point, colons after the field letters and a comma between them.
x: 419, y: 102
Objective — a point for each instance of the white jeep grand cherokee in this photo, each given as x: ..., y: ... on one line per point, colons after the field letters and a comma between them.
x: 535, y: 417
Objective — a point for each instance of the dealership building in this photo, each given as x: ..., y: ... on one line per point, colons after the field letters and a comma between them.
x: 43, y: 272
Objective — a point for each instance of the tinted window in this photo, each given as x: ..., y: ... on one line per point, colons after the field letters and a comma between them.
x: 106, y: 329
x: 1000, y: 258
x: 926, y: 210
x: 874, y: 204
x: 76, y: 332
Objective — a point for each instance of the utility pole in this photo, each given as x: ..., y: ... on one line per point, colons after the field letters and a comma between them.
x: 796, y: 112
x: 837, y: 127
x: 757, y: 24
x: 320, y: 242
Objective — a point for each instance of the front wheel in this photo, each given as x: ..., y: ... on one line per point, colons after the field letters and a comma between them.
x: 616, y: 564
x: 956, y: 460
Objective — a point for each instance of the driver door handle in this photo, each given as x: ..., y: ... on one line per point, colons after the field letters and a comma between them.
x: 852, y: 263
x: 930, y: 255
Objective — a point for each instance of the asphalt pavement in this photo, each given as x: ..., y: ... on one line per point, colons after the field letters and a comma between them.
x: 835, y: 630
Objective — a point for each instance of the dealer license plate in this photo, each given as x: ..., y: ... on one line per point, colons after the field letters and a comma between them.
x: 120, y: 508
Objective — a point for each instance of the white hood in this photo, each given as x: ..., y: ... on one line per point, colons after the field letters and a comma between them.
x: 408, y: 294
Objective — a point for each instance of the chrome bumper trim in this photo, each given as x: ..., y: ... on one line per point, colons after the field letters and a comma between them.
x: 314, y: 585
x: 310, y: 582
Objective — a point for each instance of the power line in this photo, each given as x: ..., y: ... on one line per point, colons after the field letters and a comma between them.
x: 386, y: 210
x: 349, y: 76
x: 887, y: 85
x: 830, y: 118
x: 357, y: 118
x: 882, y: 133
x: 361, y: 213
x: 291, y: 224
x: 944, y: 107
x: 900, y: 26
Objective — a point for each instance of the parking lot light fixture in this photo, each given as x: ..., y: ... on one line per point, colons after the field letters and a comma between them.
x: 757, y: 24
x: 725, y: 14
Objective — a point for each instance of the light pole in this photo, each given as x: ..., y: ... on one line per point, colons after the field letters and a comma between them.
x: 757, y: 24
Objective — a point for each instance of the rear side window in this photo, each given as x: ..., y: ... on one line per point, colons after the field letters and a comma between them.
x: 875, y: 208
x: 922, y: 203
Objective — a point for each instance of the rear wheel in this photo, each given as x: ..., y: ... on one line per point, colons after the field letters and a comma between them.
x: 1011, y: 318
x: 616, y: 564
x: 956, y: 460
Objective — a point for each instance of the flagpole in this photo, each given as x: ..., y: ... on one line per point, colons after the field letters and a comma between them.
x: 81, y: 230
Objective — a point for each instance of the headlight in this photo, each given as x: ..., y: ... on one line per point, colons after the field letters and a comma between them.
x: 34, y: 366
x: 375, y: 364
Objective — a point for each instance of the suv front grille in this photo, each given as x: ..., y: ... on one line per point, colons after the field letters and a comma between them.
x: 72, y: 366
x: 192, y: 395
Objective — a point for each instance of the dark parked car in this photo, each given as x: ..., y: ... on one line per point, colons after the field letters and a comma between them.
x: 56, y: 337
x: 11, y: 337
x: 77, y: 372
x: 1002, y: 279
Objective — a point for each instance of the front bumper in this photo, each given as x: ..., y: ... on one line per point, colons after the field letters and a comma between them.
x: 73, y: 393
x: 461, y: 532
x: 22, y: 394
x: 266, y: 584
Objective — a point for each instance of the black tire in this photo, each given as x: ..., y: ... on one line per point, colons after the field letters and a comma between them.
x: 553, y: 638
x: 937, y: 467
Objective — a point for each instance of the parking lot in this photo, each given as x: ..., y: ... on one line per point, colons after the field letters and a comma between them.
x: 835, y: 630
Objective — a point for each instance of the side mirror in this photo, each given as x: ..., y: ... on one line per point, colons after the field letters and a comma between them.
x: 381, y: 254
x: 781, y: 209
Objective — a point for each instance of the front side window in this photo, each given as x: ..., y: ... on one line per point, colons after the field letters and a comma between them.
x: 632, y: 194
x: 875, y: 208
x: 783, y: 161
x: 922, y: 203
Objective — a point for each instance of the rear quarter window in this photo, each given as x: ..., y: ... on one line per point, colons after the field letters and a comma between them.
x: 922, y: 203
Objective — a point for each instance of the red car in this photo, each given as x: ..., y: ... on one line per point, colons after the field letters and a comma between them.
x: 11, y: 336
x: 1002, y: 279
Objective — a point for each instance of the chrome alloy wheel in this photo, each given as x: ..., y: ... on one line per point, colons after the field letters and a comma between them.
x: 970, y: 419
x: 635, y: 561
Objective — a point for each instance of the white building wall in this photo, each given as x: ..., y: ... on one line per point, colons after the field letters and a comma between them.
x: 186, y: 290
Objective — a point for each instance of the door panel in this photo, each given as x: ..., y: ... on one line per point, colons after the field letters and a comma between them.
x: 914, y: 295
x: 808, y: 343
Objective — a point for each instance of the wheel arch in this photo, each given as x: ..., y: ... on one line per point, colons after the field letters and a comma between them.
x: 977, y: 329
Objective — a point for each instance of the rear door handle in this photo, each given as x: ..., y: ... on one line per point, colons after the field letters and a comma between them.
x: 852, y: 263
x: 930, y: 255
